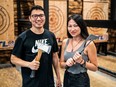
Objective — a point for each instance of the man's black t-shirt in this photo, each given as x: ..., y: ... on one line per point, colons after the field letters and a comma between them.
x: 26, y: 48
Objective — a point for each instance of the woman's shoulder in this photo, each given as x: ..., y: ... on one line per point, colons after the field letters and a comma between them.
x: 90, y: 44
x: 64, y: 42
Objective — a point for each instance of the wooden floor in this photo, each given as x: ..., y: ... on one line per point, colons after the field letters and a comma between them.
x: 108, y: 62
x: 99, y: 79
x: 11, y: 77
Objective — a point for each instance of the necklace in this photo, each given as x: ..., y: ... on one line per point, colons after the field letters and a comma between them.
x: 73, y: 46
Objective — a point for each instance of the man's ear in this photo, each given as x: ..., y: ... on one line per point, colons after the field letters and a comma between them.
x: 29, y: 18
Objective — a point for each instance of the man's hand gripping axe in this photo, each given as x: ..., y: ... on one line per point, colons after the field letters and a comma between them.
x: 41, y: 48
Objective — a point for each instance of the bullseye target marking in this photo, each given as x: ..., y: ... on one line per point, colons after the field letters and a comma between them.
x: 4, y: 20
x: 55, y: 18
x: 96, y: 13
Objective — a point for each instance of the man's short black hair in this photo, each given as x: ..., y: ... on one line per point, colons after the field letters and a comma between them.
x: 36, y: 7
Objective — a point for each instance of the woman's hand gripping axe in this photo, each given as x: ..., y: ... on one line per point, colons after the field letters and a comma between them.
x: 41, y: 48
x: 89, y: 38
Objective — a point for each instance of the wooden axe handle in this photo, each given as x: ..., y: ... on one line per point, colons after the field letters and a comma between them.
x: 37, y: 58
x: 39, y: 53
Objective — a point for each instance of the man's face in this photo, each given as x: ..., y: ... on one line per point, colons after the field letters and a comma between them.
x: 37, y: 18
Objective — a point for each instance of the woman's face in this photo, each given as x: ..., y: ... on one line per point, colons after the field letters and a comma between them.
x: 73, y: 28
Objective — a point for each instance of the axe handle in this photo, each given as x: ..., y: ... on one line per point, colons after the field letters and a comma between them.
x: 67, y: 67
x: 37, y: 58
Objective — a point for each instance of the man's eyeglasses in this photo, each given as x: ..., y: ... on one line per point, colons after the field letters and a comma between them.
x: 35, y: 16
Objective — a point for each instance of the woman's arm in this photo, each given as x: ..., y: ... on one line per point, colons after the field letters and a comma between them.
x: 62, y: 62
x: 91, y: 51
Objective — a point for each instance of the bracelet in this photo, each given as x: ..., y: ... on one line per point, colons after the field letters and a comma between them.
x: 66, y: 67
x: 81, y: 61
x: 84, y: 64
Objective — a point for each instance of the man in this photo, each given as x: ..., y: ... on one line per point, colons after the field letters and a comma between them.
x: 25, y: 51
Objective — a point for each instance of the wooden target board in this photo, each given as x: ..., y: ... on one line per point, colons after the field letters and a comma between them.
x: 95, y: 11
x: 57, y: 17
x: 6, y: 21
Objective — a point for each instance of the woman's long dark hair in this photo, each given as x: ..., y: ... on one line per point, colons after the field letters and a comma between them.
x: 79, y: 20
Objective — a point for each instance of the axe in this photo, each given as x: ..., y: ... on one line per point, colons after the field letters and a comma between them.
x: 90, y: 38
x: 41, y: 48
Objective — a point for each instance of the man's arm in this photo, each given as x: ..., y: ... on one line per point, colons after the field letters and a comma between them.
x: 34, y: 65
x: 56, y: 68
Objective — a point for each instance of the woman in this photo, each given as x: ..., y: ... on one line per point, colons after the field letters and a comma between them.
x: 76, y: 73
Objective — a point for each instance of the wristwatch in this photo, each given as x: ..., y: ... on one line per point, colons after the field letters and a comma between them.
x: 84, y: 64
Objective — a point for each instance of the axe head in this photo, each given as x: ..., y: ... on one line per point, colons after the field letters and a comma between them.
x: 92, y: 37
x: 44, y: 47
